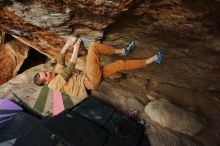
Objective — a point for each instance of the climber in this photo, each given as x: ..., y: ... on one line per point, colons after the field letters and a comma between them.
x: 77, y: 84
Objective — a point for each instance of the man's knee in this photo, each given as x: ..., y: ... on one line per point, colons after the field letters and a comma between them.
x: 93, y: 45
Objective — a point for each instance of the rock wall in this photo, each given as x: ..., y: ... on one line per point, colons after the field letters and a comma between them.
x: 188, y: 77
x: 12, y: 56
x: 189, y: 29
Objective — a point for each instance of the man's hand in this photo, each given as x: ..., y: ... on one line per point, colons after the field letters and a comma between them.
x: 70, y: 41
x: 75, y: 51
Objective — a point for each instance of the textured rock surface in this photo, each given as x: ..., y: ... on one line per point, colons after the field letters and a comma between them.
x: 12, y: 56
x: 189, y: 76
x: 168, y: 115
x: 189, y: 29
x: 22, y: 85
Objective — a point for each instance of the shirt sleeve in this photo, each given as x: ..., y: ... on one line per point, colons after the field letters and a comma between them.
x: 67, y: 72
x: 61, y: 59
x: 60, y: 64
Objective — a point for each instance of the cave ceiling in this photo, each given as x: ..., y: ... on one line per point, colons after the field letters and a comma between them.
x: 189, y: 28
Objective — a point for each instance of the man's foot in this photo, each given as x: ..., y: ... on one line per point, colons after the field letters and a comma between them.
x: 128, y: 48
x: 161, y: 55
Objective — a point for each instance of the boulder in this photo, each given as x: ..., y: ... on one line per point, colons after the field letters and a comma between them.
x: 170, y: 116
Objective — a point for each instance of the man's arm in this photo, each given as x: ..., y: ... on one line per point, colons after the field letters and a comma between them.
x: 61, y: 59
x: 68, y: 71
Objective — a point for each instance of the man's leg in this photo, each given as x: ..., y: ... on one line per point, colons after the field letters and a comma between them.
x: 93, y: 66
x: 126, y: 65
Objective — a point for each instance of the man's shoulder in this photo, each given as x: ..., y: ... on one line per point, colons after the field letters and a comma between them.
x: 57, y: 82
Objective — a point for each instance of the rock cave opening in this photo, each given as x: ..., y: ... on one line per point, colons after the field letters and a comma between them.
x: 34, y: 58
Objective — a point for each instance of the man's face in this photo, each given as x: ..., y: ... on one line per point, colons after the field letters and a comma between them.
x: 46, y: 76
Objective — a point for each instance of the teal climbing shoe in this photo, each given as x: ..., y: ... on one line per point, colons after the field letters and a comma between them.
x: 128, y: 48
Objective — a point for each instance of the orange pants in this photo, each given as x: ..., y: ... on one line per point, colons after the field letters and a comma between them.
x: 95, y: 72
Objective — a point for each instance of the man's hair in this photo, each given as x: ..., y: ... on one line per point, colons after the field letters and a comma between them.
x: 37, y: 80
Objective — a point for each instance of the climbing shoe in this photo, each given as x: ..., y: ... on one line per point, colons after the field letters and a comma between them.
x: 128, y: 48
x: 161, y: 55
